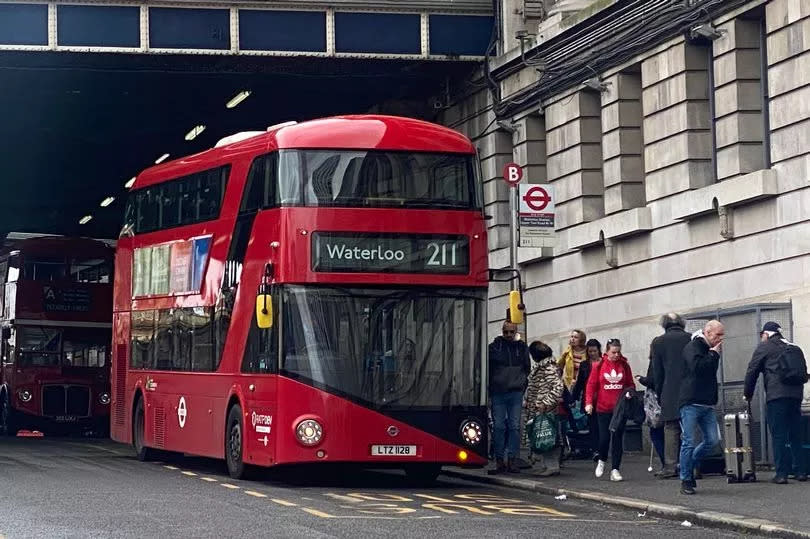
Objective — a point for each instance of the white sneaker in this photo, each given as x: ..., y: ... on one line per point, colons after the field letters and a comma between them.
x: 616, y: 476
x: 600, y: 468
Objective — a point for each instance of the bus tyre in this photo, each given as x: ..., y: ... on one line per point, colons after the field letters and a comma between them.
x: 234, y: 443
x: 142, y: 452
x: 8, y: 423
x: 423, y: 474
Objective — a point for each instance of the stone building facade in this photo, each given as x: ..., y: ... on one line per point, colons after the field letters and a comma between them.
x: 681, y: 171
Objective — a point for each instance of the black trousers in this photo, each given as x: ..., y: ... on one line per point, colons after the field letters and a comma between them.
x: 610, y: 440
x: 785, y: 422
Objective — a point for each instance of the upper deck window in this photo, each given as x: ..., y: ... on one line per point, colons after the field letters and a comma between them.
x: 77, y: 270
x: 183, y: 201
x: 90, y: 270
x: 379, y: 179
x: 351, y: 178
x: 44, y: 269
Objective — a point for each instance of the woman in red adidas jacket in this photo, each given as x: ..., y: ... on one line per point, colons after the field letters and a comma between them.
x: 606, y: 385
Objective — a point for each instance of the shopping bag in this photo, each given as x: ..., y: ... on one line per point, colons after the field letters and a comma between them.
x: 542, y: 431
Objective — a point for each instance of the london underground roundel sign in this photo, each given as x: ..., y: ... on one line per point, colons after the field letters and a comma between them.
x: 512, y: 173
x: 536, y: 198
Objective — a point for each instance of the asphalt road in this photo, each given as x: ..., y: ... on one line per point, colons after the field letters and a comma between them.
x: 59, y: 487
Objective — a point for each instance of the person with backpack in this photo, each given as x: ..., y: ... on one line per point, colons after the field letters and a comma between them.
x: 784, y: 369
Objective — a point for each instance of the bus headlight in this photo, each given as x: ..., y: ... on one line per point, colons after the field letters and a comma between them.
x: 471, y: 432
x: 104, y: 398
x: 309, y: 432
x: 25, y: 395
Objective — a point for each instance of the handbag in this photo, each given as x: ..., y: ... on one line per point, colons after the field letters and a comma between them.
x: 542, y: 432
x: 652, y: 409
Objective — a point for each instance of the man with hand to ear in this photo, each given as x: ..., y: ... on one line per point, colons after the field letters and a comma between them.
x: 699, y: 392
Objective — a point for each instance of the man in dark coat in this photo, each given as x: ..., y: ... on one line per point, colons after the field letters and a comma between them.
x: 699, y: 392
x: 784, y: 401
x: 509, y: 367
x: 666, y: 363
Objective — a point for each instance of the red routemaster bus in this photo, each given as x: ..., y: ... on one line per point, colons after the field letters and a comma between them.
x: 55, y: 334
x: 312, y: 293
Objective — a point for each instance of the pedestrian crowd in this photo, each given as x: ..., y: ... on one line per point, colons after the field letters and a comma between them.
x: 579, y: 404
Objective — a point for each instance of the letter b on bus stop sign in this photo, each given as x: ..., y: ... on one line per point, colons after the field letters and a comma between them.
x: 512, y: 173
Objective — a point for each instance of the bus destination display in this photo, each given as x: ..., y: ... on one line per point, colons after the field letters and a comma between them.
x: 389, y: 253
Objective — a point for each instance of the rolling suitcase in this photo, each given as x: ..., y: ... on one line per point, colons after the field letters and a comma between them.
x: 739, y: 452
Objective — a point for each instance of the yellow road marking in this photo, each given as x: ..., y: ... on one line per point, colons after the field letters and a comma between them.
x: 209, y: 479
x: 317, y: 513
x: 343, y: 498
x: 527, y: 510
x: 446, y: 508
x: 171, y: 467
x: 192, y: 474
x: 436, y: 498
x: 228, y: 485
x: 285, y: 503
x: 255, y: 494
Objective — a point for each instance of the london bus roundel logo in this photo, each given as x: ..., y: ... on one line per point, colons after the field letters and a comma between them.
x: 182, y: 412
x: 393, y: 431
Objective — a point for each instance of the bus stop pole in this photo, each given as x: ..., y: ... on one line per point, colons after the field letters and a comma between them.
x: 514, y: 192
x: 513, y: 230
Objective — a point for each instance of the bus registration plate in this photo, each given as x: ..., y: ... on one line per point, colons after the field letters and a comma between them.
x: 393, y: 450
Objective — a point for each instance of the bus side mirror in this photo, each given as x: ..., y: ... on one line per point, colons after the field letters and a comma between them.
x: 515, y: 312
x: 5, y: 334
x: 264, y: 311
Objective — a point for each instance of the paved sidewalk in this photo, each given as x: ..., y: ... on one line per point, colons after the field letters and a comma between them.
x: 762, y: 507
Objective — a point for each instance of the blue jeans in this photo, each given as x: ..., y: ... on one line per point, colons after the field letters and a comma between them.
x: 692, y: 417
x: 506, y: 408
x: 785, y: 422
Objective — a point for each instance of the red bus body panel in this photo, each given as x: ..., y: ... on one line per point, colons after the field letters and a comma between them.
x: 273, y: 402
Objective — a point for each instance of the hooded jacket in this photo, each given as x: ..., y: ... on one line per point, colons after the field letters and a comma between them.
x: 766, y: 361
x: 509, y: 365
x: 699, y: 379
x: 607, y: 382
x: 545, y: 388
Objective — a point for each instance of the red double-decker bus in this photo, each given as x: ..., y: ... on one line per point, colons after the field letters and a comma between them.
x: 55, y: 334
x: 312, y: 293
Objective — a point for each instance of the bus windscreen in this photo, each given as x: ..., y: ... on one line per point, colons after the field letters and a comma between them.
x: 409, y: 348
x: 351, y: 178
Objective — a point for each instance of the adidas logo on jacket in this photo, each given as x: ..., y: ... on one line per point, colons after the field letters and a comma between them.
x: 606, y: 383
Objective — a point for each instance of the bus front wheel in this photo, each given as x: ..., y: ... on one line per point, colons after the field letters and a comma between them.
x: 142, y: 452
x: 423, y: 474
x: 8, y: 423
x: 234, y: 443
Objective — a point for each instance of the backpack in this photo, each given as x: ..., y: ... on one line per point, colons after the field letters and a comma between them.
x: 791, y: 366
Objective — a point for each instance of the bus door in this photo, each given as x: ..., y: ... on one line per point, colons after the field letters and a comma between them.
x: 260, y: 361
